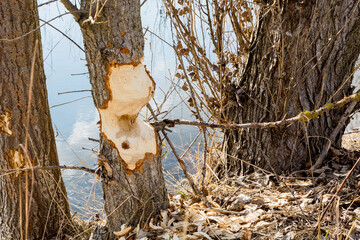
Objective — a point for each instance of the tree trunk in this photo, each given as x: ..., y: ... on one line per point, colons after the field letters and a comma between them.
x: 42, y: 193
x: 133, y: 183
x: 301, y: 56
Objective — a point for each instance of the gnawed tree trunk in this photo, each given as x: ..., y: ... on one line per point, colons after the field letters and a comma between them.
x: 134, y: 187
x: 301, y: 57
x: 44, y: 196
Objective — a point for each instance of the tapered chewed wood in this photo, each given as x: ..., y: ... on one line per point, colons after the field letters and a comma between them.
x: 131, y: 88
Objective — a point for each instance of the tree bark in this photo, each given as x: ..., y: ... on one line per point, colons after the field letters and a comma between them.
x: 134, y: 191
x: 301, y: 56
x: 41, y: 193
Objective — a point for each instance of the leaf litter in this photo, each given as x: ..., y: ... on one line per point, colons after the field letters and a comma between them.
x: 259, y: 207
x: 263, y: 206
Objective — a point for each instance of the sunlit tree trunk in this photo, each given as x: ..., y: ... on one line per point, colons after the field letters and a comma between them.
x: 33, y: 205
x: 133, y: 183
x: 301, y: 56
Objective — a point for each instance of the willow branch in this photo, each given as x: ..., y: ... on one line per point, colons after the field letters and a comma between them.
x: 92, y: 171
x: 304, y: 116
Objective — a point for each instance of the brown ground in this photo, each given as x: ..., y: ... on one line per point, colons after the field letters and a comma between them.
x: 262, y: 206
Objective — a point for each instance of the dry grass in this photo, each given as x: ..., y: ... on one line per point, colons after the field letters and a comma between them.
x: 259, y: 207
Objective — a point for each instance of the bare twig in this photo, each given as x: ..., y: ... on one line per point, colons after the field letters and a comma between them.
x: 72, y: 9
x: 203, y: 128
x: 76, y: 91
x: 91, y: 19
x: 45, y: 22
x: 174, y: 179
x: 30, y: 96
x: 336, y: 194
x: 304, y: 116
x: 76, y: 74
x: 191, y: 144
x: 27, y: 199
x: 57, y: 105
x: 219, y: 210
x: 144, y: 1
x: 147, y: 30
x: 181, y: 162
x: 92, y: 171
x: 324, y: 152
x: 93, y: 139
x: 46, y: 3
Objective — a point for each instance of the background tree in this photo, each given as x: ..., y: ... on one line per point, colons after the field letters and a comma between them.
x: 133, y: 183
x: 33, y: 204
x: 301, y: 56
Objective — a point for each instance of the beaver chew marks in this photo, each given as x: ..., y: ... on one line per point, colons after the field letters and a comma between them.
x: 5, y: 123
x: 131, y: 89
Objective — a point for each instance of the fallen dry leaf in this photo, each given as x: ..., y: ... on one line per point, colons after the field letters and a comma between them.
x: 123, y: 232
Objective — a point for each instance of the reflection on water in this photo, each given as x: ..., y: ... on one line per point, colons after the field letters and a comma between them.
x: 84, y: 194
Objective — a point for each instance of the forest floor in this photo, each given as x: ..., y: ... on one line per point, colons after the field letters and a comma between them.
x: 263, y: 206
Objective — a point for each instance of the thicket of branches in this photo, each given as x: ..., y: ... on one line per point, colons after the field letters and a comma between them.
x: 212, y: 43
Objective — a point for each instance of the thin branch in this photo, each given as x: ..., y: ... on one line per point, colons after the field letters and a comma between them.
x: 46, y: 3
x: 62, y: 33
x: 72, y: 9
x: 92, y: 171
x: 93, y: 139
x: 30, y: 95
x: 28, y: 111
x: 57, y: 105
x: 147, y: 30
x: 143, y: 3
x: 76, y: 74
x: 75, y: 91
x: 340, y: 125
x: 45, y: 22
x: 336, y: 194
x: 203, y: 128
x: 181, y: 162
x: 304, y: 116
x: 174, y: 179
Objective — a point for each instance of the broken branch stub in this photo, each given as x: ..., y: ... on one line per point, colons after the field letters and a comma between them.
x: 131, y: 88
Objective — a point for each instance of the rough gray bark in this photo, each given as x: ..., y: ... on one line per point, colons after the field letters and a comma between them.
x: 131, y: 197
x: 300, y: 57
x: 48, y: 206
